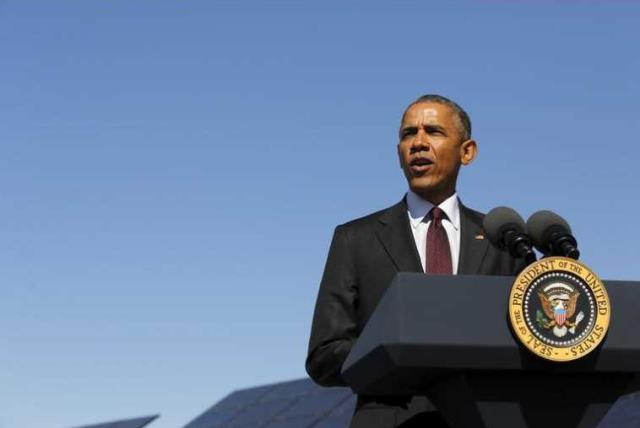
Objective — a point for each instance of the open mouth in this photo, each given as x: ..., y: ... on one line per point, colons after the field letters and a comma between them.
x: 420, y: 165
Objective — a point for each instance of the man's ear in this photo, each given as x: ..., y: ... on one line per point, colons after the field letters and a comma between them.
x: 399, y: 155
x: 468, y: 151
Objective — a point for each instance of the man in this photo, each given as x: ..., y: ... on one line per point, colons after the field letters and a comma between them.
x: 428, y: 231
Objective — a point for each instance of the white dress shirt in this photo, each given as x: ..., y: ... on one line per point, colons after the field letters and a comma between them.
x: 418, y: 208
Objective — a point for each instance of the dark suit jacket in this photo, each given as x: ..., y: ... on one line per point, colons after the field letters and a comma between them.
x: 364, y: 257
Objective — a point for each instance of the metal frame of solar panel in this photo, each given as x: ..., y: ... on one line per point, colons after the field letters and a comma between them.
x: 295, y: 404
x: 125, y: 423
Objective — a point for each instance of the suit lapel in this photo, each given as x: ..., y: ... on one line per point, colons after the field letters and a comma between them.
x: 473, y: 243
x: 394, y: 233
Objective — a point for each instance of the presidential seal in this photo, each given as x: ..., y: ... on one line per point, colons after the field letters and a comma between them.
x: 559, y: 309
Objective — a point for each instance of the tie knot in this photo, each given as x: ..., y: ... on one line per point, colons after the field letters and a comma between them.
x: 436, y: 214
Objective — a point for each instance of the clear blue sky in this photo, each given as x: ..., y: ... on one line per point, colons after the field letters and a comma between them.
x: 171, y: 173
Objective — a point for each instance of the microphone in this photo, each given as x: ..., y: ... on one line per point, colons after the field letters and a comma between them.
x: 551, y: 235
x: 506, y: 229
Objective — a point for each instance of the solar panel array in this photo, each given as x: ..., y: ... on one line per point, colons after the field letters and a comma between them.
x: 624, y: 413
x: 302, y: 404
x: 125, y: 423
x: 294, y: 404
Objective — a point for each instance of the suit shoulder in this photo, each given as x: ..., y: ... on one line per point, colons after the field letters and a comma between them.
x: 476, y: 216
x: 367, y: 220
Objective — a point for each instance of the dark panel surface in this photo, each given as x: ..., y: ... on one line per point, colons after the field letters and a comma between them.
x: 294, y: 404
x: 624, y: 413
x: 340, y: 416
x: 225, y: 410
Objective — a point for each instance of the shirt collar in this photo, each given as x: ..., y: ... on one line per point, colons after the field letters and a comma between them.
x: 418, y: 208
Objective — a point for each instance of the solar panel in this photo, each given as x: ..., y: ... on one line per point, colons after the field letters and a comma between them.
x: 340, y: 415
x: 228, y: 407
x: 295, y: 422
x: 293, y: 388
x: 295, y: 404
x: 333, y: 423
x: 318, y: 403
x: 346, y: 407
x: 259, y: 414
x: 624, y: 413
x: 323, y: 406
x: 126, y: 423
x: 244, y: 397
x: 212, y: 418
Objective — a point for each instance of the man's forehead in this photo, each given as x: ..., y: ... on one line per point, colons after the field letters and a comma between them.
x: 426, y: 112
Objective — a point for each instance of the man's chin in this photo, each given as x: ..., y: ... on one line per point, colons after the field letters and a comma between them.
x: 429, y: 190
x: 421, y: 186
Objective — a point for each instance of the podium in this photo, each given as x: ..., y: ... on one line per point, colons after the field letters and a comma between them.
x: 448, y: 337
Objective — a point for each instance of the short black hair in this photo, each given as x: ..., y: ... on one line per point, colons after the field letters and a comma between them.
x: 463, y: 120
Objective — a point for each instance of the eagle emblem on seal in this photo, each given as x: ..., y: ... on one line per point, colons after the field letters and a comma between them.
x: 559, y: 303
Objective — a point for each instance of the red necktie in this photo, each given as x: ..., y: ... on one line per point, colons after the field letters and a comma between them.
x: 438, y: 250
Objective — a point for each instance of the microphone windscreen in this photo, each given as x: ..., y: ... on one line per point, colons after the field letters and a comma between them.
x: 541, y: 224
x: 498, y: 221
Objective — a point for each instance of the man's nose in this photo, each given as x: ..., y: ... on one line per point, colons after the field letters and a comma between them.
x: 420, y: 142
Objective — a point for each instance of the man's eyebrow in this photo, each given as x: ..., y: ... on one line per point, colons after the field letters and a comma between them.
x: 426, y: 126
x: 406, y: 129
x: 434, y: 127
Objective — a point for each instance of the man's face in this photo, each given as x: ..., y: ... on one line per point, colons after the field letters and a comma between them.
x: 431, y: 150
